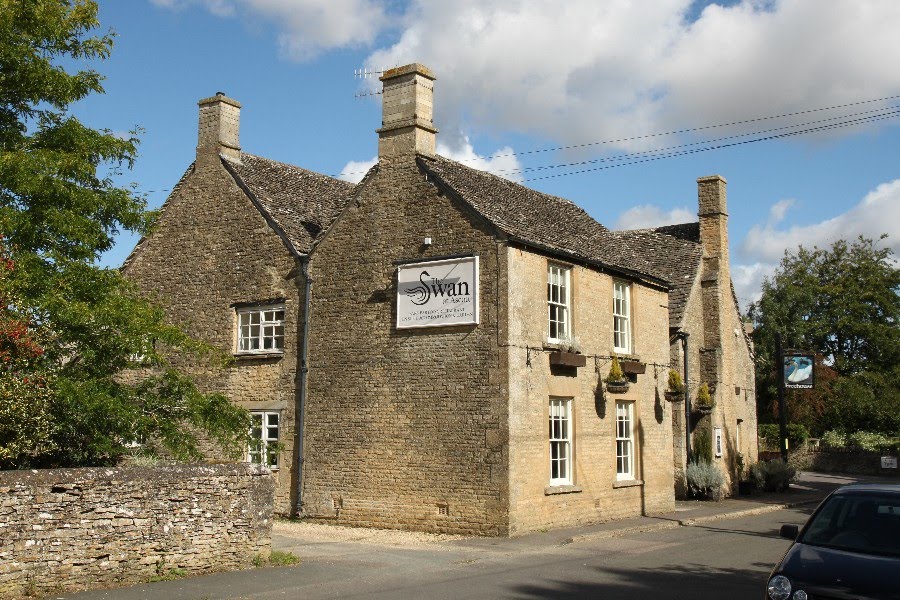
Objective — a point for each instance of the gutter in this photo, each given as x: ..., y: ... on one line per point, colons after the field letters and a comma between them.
x: 301, y: 385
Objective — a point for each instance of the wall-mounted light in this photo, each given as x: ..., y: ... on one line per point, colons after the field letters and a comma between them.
x: 426, y: 241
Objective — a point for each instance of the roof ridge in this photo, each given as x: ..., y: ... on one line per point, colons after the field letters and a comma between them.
x: 294, y: 167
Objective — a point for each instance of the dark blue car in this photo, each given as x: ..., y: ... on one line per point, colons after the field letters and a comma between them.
x: 849, y: 549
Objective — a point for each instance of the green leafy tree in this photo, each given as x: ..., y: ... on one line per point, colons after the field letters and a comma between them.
x: 843, y: 304
x: 60, y: 209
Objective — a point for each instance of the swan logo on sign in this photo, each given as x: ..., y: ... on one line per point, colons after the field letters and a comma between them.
x: 438, y: 293
x: 798, y: 371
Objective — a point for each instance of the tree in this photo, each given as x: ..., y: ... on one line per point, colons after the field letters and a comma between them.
x: 843, y: 304
x: 59, y: 211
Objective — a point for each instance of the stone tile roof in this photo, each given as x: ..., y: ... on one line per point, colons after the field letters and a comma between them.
x: 540, y: 220
x: 301, y: 203
x: 672, y: 252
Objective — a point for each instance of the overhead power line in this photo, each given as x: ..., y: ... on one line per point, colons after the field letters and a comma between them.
x: 722, y: 146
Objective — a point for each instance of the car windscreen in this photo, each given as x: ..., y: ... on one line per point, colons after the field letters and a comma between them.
x: 860, y: 522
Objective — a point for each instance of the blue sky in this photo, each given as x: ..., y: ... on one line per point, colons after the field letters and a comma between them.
x: 525, y: 75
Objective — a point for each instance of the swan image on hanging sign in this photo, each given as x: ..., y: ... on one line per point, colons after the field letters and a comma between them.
x: 798, y: 371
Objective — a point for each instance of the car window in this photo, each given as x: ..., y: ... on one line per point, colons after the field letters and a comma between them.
x: 867, y: 523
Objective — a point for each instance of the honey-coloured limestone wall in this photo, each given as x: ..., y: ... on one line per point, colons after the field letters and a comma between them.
x: 211, y: 249
x: 405, y: 428
x: 595, y: 496
x: 68, y: 529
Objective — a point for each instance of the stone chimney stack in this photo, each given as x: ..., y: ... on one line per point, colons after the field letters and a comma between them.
x: 715, y: 278
x: 218, y: 130
x: 713, y: 214
x: 407, y: 128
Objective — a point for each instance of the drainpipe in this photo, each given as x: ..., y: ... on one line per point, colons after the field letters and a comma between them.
x: 683, y: 336
x: 301, y: 382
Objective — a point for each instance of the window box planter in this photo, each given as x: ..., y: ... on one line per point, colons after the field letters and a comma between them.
x: 617, y: 387
x: 674, y: 396
x: 633, y: 367
x: 567, y: 359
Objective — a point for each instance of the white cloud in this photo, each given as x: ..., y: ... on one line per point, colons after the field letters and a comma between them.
x: 355, y: 170
x: 649, y: 215
x: 306, y: 27
x: 582, y: 70
x: 502, y: 162
x: 877, y: 213
x: 748, y: 281
x: 764, y: 246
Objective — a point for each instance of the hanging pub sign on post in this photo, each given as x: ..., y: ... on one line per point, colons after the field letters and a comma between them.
x: 799, y: 373
x: 438, y: 293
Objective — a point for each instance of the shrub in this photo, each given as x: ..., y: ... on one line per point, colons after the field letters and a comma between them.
x: 834, y: 439
x: 768, y: 431
x: 705, y: 481
x: 615, y: 371
x: 675, y: 382
x: 771, y: 432
x: 703, y: 397
x: 797, y: 434
x: 703, y: 445
x: 773, y: 475
x: 871, y: 442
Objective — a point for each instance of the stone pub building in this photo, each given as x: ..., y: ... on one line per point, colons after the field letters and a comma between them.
x: 427, y: 349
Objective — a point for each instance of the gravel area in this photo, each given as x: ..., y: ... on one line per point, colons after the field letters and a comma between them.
x: 322, y: 532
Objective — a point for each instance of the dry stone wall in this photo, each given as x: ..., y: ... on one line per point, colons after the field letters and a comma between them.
x: 64, y: 529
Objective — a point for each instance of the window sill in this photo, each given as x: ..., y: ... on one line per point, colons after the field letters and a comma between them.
x: 626, y: 483
x: 552, y: 490
x: 257, y: 355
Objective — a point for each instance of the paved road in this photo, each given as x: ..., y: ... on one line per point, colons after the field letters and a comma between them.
x: 729, y: 558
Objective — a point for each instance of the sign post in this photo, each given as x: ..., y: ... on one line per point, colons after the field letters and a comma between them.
x: 782, y: 418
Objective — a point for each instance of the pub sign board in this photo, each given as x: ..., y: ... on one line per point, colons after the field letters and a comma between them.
x: 798, y: 371
x: 438, y: 293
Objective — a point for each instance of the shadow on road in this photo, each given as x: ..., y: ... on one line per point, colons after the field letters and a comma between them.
x: 690, y: 581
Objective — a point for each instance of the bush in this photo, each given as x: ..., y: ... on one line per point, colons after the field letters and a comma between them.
x: 772, y: 476
x: 834, y: 439
x: 705, y: 481
x: 703, y: 397
x: 675, y: 382
x: 771, y: 432
x: 871, y: 442
x: 615, y: 371
x: 703, y: 445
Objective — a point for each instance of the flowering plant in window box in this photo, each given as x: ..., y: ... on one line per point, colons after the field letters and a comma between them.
x: 615, y: 381
x: 568, y: 353
x: 676, y: 387
x: 704, y: 404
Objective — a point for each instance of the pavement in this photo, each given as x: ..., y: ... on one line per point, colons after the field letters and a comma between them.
x: 809, y: 489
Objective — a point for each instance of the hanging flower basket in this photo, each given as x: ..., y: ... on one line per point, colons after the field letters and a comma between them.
x: 617, y: 387
x: 703, y: 409
x: 674, y: 396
